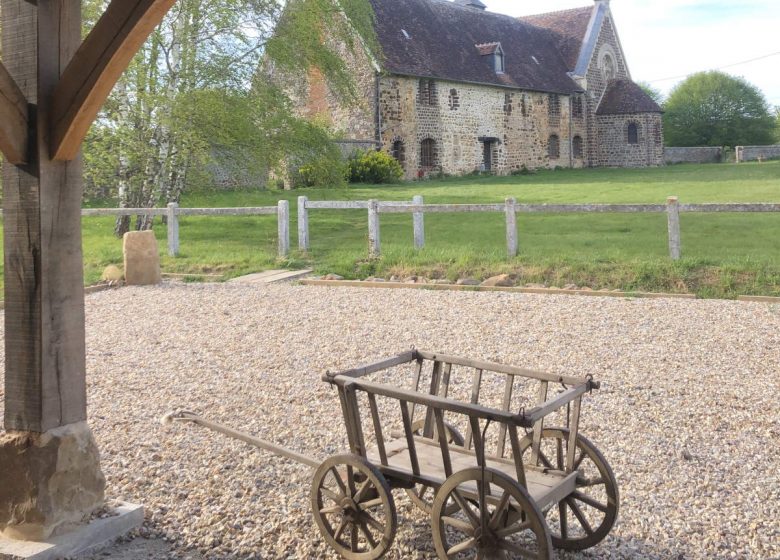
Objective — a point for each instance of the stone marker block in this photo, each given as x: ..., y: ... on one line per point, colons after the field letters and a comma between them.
x: 142, y: 259
x: 51, y: 482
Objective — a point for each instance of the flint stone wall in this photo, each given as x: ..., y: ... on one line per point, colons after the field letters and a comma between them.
x: 693, y: 155
x: 754, y: 153
x: 462, y: 114
x: 595, y: 83
x: 613, y: 149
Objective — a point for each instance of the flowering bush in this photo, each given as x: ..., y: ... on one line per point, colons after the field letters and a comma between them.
x: 373, y: 167
x: 320, y: 172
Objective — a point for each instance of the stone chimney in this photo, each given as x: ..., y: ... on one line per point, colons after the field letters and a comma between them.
x: 475, y: 4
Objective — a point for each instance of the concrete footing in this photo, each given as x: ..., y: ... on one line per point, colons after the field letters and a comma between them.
x: 87, y: 538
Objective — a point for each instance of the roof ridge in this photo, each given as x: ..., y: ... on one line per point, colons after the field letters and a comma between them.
x: 583, y: 8
x: 451, y: 4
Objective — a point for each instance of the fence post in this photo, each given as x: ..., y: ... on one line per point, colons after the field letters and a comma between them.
x: 283, y: 223
x: 374, y: 244
x: 173, y: 230
x: 673, y: 217
x: 303, y: 224
x: 511, y: 227
x: 418, y: 218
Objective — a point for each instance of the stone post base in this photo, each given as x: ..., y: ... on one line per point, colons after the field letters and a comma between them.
x: 51, y: 482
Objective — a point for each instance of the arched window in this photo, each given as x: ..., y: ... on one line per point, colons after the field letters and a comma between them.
x: 500, y: 61
x: 554, y: 147
x: 428, y: 153
x: 398, y: 151
x: 633, y: 133
x: 576, y: 147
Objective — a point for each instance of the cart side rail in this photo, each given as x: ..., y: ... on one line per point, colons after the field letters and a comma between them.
x: 433, y: 401
x: 368, y: 369
x: 504, y: 368
x: 483, y: 365
x: 349, y: 388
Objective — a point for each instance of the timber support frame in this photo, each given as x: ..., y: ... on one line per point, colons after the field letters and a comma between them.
x: 51, y: 88
x: 14, y: 124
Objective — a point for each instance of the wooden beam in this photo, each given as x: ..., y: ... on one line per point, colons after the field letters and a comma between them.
x: 14, y: 129
x: 45, y: 371
x: 96, y: 67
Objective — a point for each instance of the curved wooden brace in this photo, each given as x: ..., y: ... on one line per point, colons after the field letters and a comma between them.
x: 96, y: 67
x: 14, y: 129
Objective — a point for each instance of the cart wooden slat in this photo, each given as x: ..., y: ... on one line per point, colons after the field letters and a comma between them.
x: 546, y: 489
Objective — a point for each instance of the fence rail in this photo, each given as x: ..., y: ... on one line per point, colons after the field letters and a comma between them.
x: 173, y: 212
x: 510, y: 208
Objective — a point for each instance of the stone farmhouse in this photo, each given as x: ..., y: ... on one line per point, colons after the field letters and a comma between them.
x: 458, y: 89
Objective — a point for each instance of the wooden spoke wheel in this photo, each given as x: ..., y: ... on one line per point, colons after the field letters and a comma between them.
x: 583, y: 518
x: 422, y: 495
x: 506, y: 525
x: 353, y: 507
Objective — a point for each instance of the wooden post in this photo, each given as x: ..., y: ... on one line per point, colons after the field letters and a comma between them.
x: 55, y: 477
x: 283, y: 221
x: 418, y: 218
x: 44, y: 280
x: 511, y: 227
x: 303, y: 224
x: 173, y: 230
x: 374, y: 242
x: 673, y: 218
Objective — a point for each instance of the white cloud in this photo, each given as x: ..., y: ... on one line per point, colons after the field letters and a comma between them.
x: 666, y: 38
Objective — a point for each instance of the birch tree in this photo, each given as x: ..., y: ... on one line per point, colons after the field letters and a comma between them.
x: 194, y: 92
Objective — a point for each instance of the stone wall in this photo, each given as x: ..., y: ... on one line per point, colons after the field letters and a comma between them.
x: 596, y: 81
x: 349, y: 147
x: 756, y: 153
x: 693, y: 155
x: 459, y: 117
x: 314, y: 99
x: 614, y: 149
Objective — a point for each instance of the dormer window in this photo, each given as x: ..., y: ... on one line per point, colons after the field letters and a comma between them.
x: 499, y: 61
x: 495, y: 54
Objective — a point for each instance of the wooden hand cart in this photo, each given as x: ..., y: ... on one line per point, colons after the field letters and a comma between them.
x: 550, y: 487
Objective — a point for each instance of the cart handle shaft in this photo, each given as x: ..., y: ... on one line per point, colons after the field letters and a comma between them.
x: 184, y: 416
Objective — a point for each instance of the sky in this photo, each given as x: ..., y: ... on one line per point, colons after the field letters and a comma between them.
x: 673, y: 38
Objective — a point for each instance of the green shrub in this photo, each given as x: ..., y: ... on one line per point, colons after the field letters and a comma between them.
x: 322, y: 171
x: 373, y: 167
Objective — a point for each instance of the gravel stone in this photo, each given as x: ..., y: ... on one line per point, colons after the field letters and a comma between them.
x: 687, y: 416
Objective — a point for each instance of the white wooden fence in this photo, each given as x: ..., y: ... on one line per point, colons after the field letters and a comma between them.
x: 510, y: 208
x: 172, y: 212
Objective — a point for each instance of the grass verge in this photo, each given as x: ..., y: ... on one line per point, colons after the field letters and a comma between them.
x: 724, y: 255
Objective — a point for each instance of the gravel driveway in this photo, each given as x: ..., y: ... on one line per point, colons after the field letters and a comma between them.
x: 688, y: 415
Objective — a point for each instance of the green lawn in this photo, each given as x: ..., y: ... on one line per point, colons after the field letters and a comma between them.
x: 723, y: 255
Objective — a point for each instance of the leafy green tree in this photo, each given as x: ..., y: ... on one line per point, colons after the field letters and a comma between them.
x: 193, y: 96
x: 716, y: 109
x: 777, y: 124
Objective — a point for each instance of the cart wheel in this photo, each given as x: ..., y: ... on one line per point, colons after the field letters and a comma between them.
x: 353, y: 507
x: 584, y: 518
x: 507, y: 525
x: 422, y: 495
